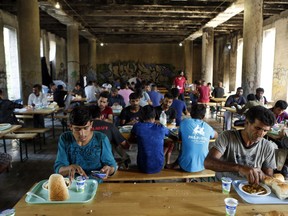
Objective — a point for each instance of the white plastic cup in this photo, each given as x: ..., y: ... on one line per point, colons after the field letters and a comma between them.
x: 226, y: 185
x: 230, y: 206
x: 80, y: 183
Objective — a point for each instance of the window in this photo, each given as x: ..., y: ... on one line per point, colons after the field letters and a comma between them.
x: 239, y: 63
x: 12, y: 63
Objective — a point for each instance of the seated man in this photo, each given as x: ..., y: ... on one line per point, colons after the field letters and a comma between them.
x: 155, y: 96
x: 6, y: 110
x: 82, y: 150
x: 59, y: 96
x: 279, y: 111
x: 178, y: 105
x: 235, y: 100
x: 245, y: 153
x: 150, y: 139
x: 131, y: 114
x: 171, y: 118
x: 118, y: 142
x: 37, y: 99
x: 106, y: 111
x: 116, y: 99
x: 260, y: 96
x: 195, y: 135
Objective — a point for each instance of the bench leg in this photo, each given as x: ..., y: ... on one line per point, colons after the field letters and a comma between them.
x: 21, y: 151
x: 4, y: 145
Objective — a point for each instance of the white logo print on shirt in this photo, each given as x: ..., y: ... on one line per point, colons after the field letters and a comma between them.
x: 198, y: 130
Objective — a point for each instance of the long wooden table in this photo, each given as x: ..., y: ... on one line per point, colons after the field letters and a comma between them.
x: 136, y: 175
x: 201, y: 198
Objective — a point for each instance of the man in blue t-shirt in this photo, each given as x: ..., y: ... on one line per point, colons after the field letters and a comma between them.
x: 195, y: 135
x: 178, y: 105
x: 150, y: 139
x: 82, y: 150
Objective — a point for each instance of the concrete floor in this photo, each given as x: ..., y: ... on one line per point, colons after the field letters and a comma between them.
x: 15, y: 183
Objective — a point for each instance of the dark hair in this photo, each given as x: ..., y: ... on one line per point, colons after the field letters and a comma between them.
x: 262, y: 114
x: 174, y: 92
x: 60, y: 87
x: 251, y: 97
x: 95, y: 111
x: 80, y: 116
x: 104, y: 94
x: 239, y: 88
x: 52, y: 84
x: 78, y: 84
x: 139, y: 91
x: 147, y: 112
x: 114, y: 90
x: 134, y: 96
x: 281, y: 104
x: 123, y: 85
x: 168, y: 95
x: 38, y: 86
x: 259, y: 90
x: 198, y: 111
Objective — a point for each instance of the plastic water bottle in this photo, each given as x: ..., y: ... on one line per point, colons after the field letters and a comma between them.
x: 163, y: 118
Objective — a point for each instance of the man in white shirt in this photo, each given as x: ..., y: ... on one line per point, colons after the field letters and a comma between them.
x: 90, y: 91
x: 37, y: 99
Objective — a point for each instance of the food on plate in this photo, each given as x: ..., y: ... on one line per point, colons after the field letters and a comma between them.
x: 57, y: 189
x: 254, y: 188
x: 280, y: 189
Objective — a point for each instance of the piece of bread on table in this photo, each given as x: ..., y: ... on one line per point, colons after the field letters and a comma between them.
x: 277, y: 178
x: 57, y: 189
x: 280, y: 189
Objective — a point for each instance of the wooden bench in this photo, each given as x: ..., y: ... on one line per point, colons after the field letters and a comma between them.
x: 238, y: 127
x: 34, y: 130
x: 21, y: 137
x: 136, y: 175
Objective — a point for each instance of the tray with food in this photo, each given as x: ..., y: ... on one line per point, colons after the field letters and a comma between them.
x: 59, y: 190
x: 273, y: 190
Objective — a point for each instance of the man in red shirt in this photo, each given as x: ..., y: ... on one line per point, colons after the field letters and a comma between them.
x: 106, y: 111
x: 179, y: 82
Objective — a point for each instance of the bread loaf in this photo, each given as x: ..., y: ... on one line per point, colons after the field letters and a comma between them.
x: 281, y: 190
x: 277, y: 178
x: 57, y: 189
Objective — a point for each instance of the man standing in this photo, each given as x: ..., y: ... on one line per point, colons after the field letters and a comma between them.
x: 131, y: 114
x: 179, y: 82
x: 245, y: 153
x: 82, y: 150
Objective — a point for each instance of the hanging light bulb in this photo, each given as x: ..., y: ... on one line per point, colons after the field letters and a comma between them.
x: 57, y: 5
x: 180, y: 44
x: 101, y: 44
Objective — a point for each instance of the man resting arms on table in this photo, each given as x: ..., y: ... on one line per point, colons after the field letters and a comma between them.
x: 245, y: 153
x: 82, y: 150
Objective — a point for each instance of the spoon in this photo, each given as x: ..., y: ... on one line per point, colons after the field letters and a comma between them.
x: 35, y: 195
x: 260, y: 192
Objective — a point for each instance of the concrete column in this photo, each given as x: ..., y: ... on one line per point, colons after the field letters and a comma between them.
x: 29, y: 38
x: 188, y: 55
x: 207, y: 54
x: 252, y: 45
x: 73, y: 55
x: 3, y: 75
x: 92, y: 53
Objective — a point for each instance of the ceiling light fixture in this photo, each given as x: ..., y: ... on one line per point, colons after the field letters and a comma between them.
x: 101, y: 44
x: 57, y: 5
x: 180, y: 44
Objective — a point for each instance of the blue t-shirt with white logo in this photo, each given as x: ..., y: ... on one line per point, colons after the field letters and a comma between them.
x: 195, y: 135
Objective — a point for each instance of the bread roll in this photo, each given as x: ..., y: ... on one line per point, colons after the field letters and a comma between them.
x: 57, y: 189
x: 279, y: 176
x: 281, y: 190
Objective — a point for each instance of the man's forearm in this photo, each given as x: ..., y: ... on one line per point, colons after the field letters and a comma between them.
x: 221, y: 166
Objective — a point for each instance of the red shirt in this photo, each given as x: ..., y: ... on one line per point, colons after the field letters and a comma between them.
x: 204, y: 94
x: 107, y: 111
x: 179, y: 83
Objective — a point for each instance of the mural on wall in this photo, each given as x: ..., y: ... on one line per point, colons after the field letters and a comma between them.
x: 279, y: 73
x: 161, y: 74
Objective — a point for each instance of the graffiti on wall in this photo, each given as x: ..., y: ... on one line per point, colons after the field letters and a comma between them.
x: 161, y: 74
x: 279, y: 81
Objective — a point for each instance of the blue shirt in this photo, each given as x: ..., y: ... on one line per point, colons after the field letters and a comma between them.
x: 195, y: 135
x: 180, y: 107
x: 150, y: 140
x: 92, y: 156
x: 155, y: 97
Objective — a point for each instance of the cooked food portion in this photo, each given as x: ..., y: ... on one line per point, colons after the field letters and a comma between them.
x: 254, y: 189
x: 57, y: 189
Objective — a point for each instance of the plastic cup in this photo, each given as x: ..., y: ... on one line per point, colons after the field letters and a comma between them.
x: 80, y: 183
x: 230, y: 206
x: 226, y: 185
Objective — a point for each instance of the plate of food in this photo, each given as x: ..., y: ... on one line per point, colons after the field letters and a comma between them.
x: 67, y: 182
x: 254, y: 190
x: 5, y: 126
x: 126, y: 128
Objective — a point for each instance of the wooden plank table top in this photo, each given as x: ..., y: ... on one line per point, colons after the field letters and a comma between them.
x: 201, y: 198
x: 218, y: 100
x: 136, y: 175
x: 42, y: 111
x: 9, y: 130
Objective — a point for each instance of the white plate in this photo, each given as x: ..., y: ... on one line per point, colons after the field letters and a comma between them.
x: 45, y: 184
x: 127, y: 127
x: 255, y: 195
x: 5, y: 126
